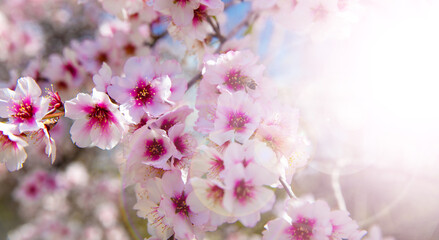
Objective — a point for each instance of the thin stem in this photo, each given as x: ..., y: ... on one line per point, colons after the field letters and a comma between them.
x: 217, y: 30
x: 243, y: 23
x: 287, y: 188
x: 194, y: 80
x: 124, y: 218
x: 335, y: 180
x: 54, y: 115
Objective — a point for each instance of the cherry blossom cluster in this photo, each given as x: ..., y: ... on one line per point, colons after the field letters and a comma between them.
x: 125, y: 87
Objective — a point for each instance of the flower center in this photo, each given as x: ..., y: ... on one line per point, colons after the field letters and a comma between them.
x: 301, y: 229
x: 130, y: 49
x: 199, y: 15
x: 243, y: 191
x: 100, y: 115
x: 235, y: 81
x: 216, y: 193
x: 23, y: 111
x: 102, y: 57
x: 155, y: 149
x: 143, y: 93
x: 180, y: 205
x: 179, y: 144
x: 167, y: 124
x: 238, y: 120
x: 32, y: 190
x: 71, y: 69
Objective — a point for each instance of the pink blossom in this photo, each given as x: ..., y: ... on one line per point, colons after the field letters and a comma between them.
x: 207, y: 162
x: 237, y: 117
x: 234, y: 71
x: 152, y: 147
x: 97, y: 121
x: 92, y: 54
x: 181, y: 11
x: 211, y: 194
x: 142, y: 90
x: 309, y: 221
x: 198, y: 28
x: 65, y: 70
x: 253, y: 152
x: 177, y: 203
x: 185, y: 143
x: 170, y: 119
x: 24, y: 107
x: 278, y: 128
x: 245, y: 191
x: 36, y: 185
x: 11, y: 148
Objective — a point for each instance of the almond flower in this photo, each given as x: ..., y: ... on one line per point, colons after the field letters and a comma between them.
x: 24, y: 107
x: 235, y: 71
x: 245, y: 192
x: 11, y: 148
x: 311, y: 221
x: 142, y: 90
x: 152, y: 147
x: 237, y: 117
x: 98, y: 122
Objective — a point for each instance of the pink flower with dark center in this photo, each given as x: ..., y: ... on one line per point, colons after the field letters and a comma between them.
x: 24, y: 107
x: 173, y: 117
x: 177, y: 203
x: 142, y: 90
x: 301, y: 229
x: 64, y: 69
x: 236, y: 118
x: 200, y: 15
x: 98, y: 121
x: 185, y: 143
x: 235, y: 71
x: 245, y: 192
x: 91, y: 54
x: 307, y: 222
x: 252, y: 152
x: 207, y: 162
x: 152, y: 147
x: 180, y: 205
x: 181, y: 11
x: 155, y: 149
x: 211, y: 194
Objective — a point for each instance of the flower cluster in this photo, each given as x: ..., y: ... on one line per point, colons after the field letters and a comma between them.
x: 196, y: 159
